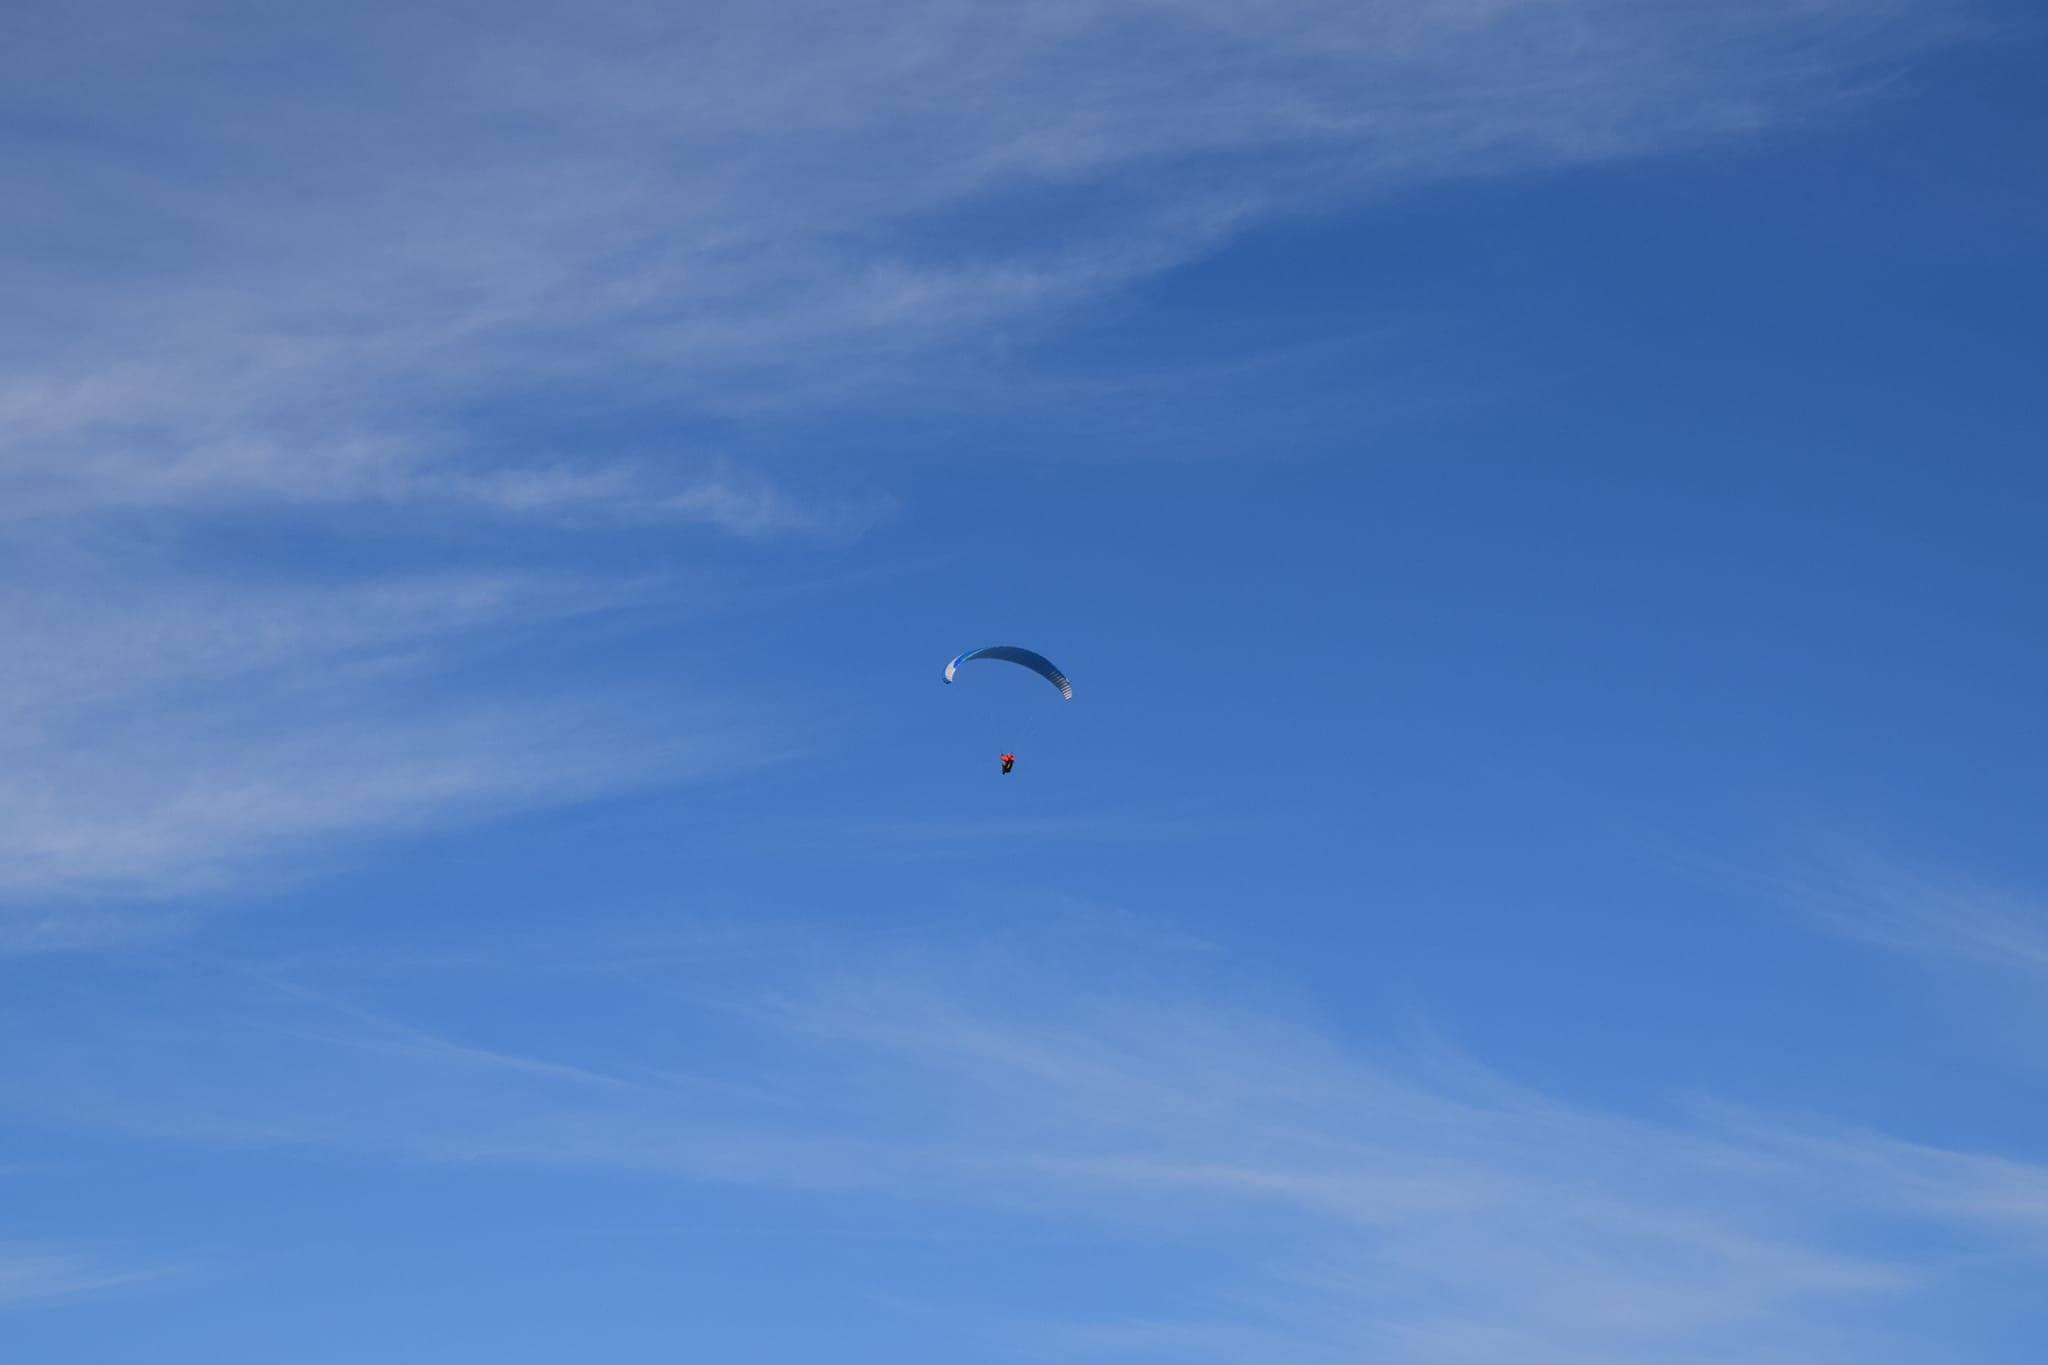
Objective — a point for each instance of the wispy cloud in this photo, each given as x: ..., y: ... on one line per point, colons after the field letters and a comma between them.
x: 232, y: 284
x: 193, y: 796
x: 159, y: 737
x: 33, y: 1275
x: 1406, y: 1204
x: 1945, y: 918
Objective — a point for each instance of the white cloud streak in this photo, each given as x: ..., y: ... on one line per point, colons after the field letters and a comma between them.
x: 260, y: 255
x: 163, y: 739
x: 1409, y: 1207
x: 1942, y: 919
x: 33, y: 1275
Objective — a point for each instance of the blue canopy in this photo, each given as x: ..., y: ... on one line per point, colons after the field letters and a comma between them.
x: 1037, y: 663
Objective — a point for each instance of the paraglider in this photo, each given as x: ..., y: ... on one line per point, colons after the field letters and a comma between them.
x: 1037, y: 663
x: 1026, y: 658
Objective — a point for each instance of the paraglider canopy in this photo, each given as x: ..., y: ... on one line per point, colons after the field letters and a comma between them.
x: 1037, y: 663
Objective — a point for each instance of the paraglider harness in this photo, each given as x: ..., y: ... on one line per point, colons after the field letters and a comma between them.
x: 1008, y: 760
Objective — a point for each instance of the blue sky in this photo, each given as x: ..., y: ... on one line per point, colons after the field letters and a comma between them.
x: 1542, y: 505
